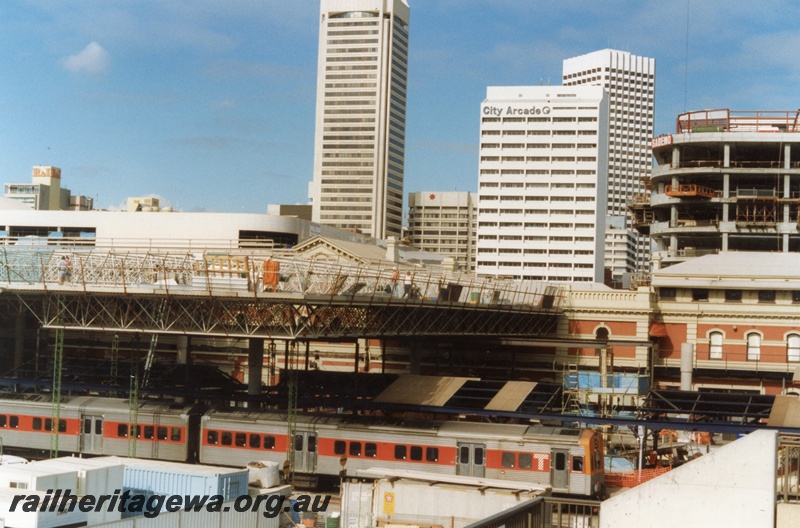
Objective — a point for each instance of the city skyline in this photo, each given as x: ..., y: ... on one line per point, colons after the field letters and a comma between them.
x: 211, y: 106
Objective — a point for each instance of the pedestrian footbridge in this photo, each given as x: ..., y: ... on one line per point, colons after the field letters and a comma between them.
x: 226, y: 293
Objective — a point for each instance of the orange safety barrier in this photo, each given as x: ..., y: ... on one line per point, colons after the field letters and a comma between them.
x: 631, y: 479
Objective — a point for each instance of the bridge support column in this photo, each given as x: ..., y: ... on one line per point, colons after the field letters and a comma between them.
x: 183, y: 347
x: 255, y: 365
x: 19, y: 338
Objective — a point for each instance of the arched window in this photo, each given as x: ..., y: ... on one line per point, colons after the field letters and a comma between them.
x: 793, y: 347
x: 715, y: 345
x: 753, y: 346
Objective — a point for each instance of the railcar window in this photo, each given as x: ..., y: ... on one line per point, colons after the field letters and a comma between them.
x: 13, y: 421
x: 98, y: 426
x: 312, y: 444
x: 37, y: 424
x: 212, y: 437
x: 161, y: 433
x: 149, y: 432
x: 400, y: 452
x: 416, y: 453
x: 507, y: 459
x: 255, y: 441
x: 561, y: 461
x: 175, y: 434
x: 269, y: 442
x: 3, y: 420
x: 62, y: 426
x: 355, y: 448
x: 48, y: 424
x: 432, y: 454
x: 525, y: 460
x: 227, y: 438
x: 577, y: 464
x: 298, y: 442
x: 478, y: 456
x: 339, y: 447
x: 370, y: 449
x: 241, y: 439
x: 136, y: 430
x: 122, y: 430
x: 87, y: 426
x: 463, y: 455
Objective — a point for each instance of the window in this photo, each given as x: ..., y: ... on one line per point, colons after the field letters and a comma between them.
x: 355, y: 449
x: 37, y: 424
x: 339, y: 447
x: 136, y: 431
x: 312, y: 444
x: 175, y: 434
x: 796, y: 296
x: 700, y: 294
x: 122, y: 430
x: 269, y: 442
x: 793, y: 347
x: 416, y: 453
x: 766, y: 296
x: 370, y: 449
x: 561, y: 461
x: 507, y: 459
x: 577, y: 464
x: 240, y: 439
x: 478, y: 456
x: 733, y: 295
x: 525, y: 460
x: 432, y: 454
x: 753, y: 346
x: 3, y: 420
x: 149, y: 432
x: 226, y: 438
x: 715, y: 345
x: 255, y: 441
x: 13, y: 422
x: 400, y: 452
x: 161, y: 433
x: 212, y: 437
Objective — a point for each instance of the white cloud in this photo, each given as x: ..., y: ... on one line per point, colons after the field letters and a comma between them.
x: 92, y: 59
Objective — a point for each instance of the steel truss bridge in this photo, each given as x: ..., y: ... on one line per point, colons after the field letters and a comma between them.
x: 222, y: 294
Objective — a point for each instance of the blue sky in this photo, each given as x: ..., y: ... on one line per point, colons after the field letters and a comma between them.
x: 209, y: 104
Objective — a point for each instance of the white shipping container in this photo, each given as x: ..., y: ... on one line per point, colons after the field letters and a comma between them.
x: 37, y: 519
x: 28, y: 476
x: 93, y: 479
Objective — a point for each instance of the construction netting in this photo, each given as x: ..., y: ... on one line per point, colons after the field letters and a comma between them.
x: 631, y: 479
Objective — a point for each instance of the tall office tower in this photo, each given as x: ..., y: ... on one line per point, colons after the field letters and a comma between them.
x: 444, y: 223
x: 359, y: 149
x: 542, y: 183
x: 630, y: 81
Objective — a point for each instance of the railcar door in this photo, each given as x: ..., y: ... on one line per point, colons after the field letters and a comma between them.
x: 471, y: 459
x: 305, y: 452
x: 559, y: 469
x: 92, y: 435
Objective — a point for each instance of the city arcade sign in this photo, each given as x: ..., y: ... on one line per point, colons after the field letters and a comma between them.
x: 499, y: 111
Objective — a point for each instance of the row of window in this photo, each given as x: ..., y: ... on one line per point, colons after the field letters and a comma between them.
x: 753, y: 340
x: 401, y: 452
x: 251, y: 440
x: 149, y: 432
x: 702, y: 294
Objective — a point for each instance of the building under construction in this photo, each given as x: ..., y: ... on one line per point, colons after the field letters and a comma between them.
x: 725, y: 181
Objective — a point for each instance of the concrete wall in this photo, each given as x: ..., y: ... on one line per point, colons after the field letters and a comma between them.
x: 732, y: 486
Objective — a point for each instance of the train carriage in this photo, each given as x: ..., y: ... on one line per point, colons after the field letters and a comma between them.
x: 569, y: 460
x: 97, y: 426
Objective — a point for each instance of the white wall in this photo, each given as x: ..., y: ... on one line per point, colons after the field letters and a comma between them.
x: 732, y: 486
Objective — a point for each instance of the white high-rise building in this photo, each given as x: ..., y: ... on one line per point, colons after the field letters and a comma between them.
x: 630, y: 81
x: 444, y: 223
x: 359, y: 149
x: 542, y: 183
